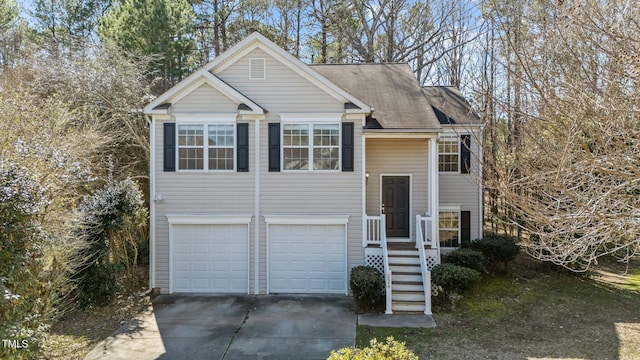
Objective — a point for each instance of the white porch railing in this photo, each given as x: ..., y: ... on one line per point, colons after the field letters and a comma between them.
x: 426, y: 231
x: 421, y: 229
x: 374, y: 231
x: 387, y: 269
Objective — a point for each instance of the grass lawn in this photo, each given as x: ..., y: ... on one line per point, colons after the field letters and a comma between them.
x: 532, y: 312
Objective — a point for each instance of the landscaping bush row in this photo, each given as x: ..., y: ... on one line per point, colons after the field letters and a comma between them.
x: 461, y: 268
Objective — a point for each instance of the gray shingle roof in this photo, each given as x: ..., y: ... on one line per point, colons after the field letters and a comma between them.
x: 391, y: 89
x: 450, y: 106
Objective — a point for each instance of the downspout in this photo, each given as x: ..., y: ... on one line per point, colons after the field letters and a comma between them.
x: 152, y: 204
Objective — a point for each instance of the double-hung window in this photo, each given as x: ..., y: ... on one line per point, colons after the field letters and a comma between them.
x: 221, y: 142
x: 449, y: 229
x: 311, y: 146
x: 448, y: 154
x: 206, y: 146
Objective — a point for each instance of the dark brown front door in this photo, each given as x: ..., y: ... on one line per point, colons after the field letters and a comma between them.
x: 395, y: 202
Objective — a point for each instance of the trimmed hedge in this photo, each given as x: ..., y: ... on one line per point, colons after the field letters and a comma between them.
x: 469, y: 258
x: 497, y: 248
x: 367, y: 286
x: 453, y: 278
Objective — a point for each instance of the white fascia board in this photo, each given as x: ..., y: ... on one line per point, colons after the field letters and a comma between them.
x: 173, y: 91
x: 192, y: 82
x: 400, y: 135
x: 157, y: 112
x: 256, y: 40
x: 233, y: 93
x: 208, y: 219
x: 320, y: 219
x: 288, y: 118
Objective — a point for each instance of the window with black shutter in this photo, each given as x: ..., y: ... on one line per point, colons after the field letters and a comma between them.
x: 169, y: 146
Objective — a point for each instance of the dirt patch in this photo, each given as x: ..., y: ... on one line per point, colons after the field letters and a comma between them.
x: 77, y: 333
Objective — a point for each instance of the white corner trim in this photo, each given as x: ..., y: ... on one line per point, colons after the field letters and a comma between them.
x: 289, y: 118
x: 152, y: 204
x: 320, y: 219
x: 208, y: 219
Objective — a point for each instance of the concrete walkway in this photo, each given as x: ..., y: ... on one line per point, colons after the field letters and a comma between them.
x: 397, y: 320
x: 234, y: 327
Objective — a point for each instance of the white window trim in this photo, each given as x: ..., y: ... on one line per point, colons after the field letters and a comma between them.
x: 205, y: 146
x: 303, y: 118
x: 454, y: 209
x: 204, y: 118
x: 454, y: 139
x: 310, y: 146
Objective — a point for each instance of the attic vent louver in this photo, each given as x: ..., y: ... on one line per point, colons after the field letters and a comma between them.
x: 257, y: 69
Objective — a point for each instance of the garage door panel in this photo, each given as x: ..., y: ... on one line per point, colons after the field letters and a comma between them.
x: 210, y: 258
x: 307, y: 259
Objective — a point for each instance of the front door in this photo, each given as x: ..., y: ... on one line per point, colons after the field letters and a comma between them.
x: 395, y: 204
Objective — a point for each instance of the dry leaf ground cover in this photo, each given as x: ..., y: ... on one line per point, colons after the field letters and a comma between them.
x: 534, y: 311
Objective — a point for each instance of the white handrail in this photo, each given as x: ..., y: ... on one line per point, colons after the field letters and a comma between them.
x: 426, y: 274
x: 374, y: 231
x: 387, y: 269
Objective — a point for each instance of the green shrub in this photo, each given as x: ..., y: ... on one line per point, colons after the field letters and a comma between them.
x: 104, y: 223
x: 453, y: 278
x: 471, y: 259
x: 497, y: 248
x: 367, y: 286
x: 392, y: 349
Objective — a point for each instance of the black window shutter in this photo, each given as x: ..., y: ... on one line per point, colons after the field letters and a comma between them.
x: 347, y: 146
x: 465, y: 154
x: 242, y: 148
x: 465, y: 228
x: 274, y: 147
x: 169, y: 145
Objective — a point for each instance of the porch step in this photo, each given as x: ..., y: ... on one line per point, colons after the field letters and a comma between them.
x: 411, y: 277
x: 401, y: 260
x: 408, y: 296
x: 407, y: 286
x: 403, y: 253
x: 408, y: 269
x: 401, y: 246
x: 401, y: 306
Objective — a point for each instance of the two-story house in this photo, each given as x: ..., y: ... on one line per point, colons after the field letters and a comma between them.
x: 269, y: 175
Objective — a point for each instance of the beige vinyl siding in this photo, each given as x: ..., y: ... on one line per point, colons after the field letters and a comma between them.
x: 290, y: 193
x: 198, y: 193
x: 205, y: 99
x: 463, y: 189
x: 399, y: 157
x: 316, y: 192
x: 283, y: 90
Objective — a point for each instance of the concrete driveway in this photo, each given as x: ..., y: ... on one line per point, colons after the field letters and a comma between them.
x: 234, y: 327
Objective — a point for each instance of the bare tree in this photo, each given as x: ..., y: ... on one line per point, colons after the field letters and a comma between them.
x: 573, y: 181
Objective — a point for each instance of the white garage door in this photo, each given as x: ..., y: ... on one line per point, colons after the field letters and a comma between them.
x: 307, y: 259
x: 210, y: 258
